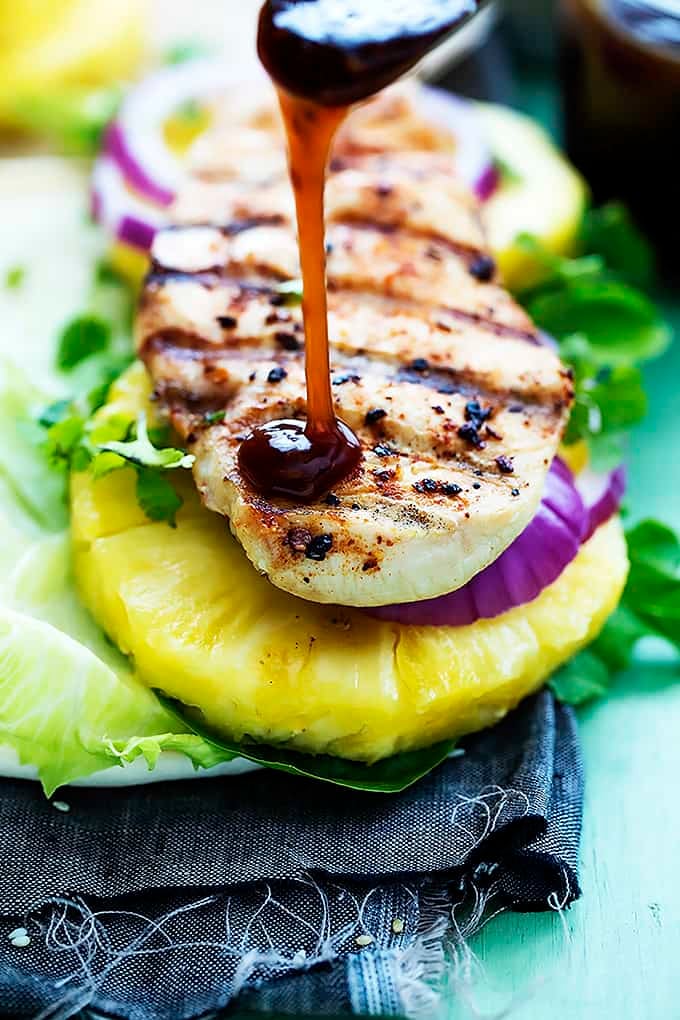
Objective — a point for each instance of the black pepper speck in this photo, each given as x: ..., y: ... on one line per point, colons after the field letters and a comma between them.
x: 277, y: 374
x: 288, y: 341
x: 319, y: 547
x: 345, y: 377
x: 482, y: 268
x: 426, y: 485
x: 469, y: 433
x: 375, y: 415
x: 475, y: 413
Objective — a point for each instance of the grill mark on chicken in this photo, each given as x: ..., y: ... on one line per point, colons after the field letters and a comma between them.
x: 442, y: 380
x: 159, y: 277
x: 190, y: 399
x: 416, y: 336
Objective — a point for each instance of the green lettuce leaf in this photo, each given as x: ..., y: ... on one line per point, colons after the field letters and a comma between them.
x: 199, y: 751
x: 391, y: 775
x: 69, y: 703
x: 61, y: 705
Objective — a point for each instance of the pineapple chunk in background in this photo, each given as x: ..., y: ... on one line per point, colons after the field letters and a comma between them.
x: 50, y: 44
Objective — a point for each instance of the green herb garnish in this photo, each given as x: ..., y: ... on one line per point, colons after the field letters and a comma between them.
x: 80, y: 339
x: 650, y: 607
x: 141, y: 452
x: 14, y: 277
x: 290, y: 291
x: 214, y: 417
x: 604, y: 326
x: 157, y: 496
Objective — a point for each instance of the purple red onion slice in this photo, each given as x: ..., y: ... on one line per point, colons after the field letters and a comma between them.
x: 534, y: 560
x: 136, y: 144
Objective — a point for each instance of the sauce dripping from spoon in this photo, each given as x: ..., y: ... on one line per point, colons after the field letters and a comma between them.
x: 325, y: 55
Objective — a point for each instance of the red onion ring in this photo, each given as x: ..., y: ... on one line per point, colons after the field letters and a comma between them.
x: 602, y: 495
x: 136, y: 143
x: 135, y: 140
x: 534, y: 560
x: 474, y: 160
x: 125, y: 216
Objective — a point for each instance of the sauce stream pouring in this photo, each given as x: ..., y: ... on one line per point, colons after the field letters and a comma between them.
x: 325, y: 55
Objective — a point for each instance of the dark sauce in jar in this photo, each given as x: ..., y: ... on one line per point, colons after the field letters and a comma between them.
x: 324, y: 55
x: 621, y: 72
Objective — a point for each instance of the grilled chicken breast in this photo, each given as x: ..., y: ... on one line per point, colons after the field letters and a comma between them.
x: 458, y: 405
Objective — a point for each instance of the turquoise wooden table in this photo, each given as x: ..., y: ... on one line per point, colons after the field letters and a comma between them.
x: 615, y: 954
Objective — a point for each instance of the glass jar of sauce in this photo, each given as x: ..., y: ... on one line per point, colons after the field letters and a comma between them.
x: 621, y: 74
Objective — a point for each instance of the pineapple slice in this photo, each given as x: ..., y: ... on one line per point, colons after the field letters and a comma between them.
x: 543, y: 195
x: 202, y: 625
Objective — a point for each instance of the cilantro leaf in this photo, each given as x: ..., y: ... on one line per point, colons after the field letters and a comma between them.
x: 653, y: 590
x: 650, y: 606
x: 80, y: 339
x: 620, y: 324
x: 607, y: 402
x: 64, y: 441
x: 141, y: 452
x: 604, y: 327
x: 610, y: 232
x: 156, y: 496
x: 582, y: 678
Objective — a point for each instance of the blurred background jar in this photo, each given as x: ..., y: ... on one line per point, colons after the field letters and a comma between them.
x: 620, y: 64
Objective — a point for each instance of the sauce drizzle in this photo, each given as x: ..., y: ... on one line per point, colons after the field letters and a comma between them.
x: 325, y: 55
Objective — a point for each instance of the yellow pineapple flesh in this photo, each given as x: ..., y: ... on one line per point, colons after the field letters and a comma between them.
x: 203, y: 626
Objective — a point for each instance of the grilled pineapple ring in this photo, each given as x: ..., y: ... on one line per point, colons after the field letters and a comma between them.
x: 202, y: 625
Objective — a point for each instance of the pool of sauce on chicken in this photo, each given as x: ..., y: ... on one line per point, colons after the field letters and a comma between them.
x: 324, y: 56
